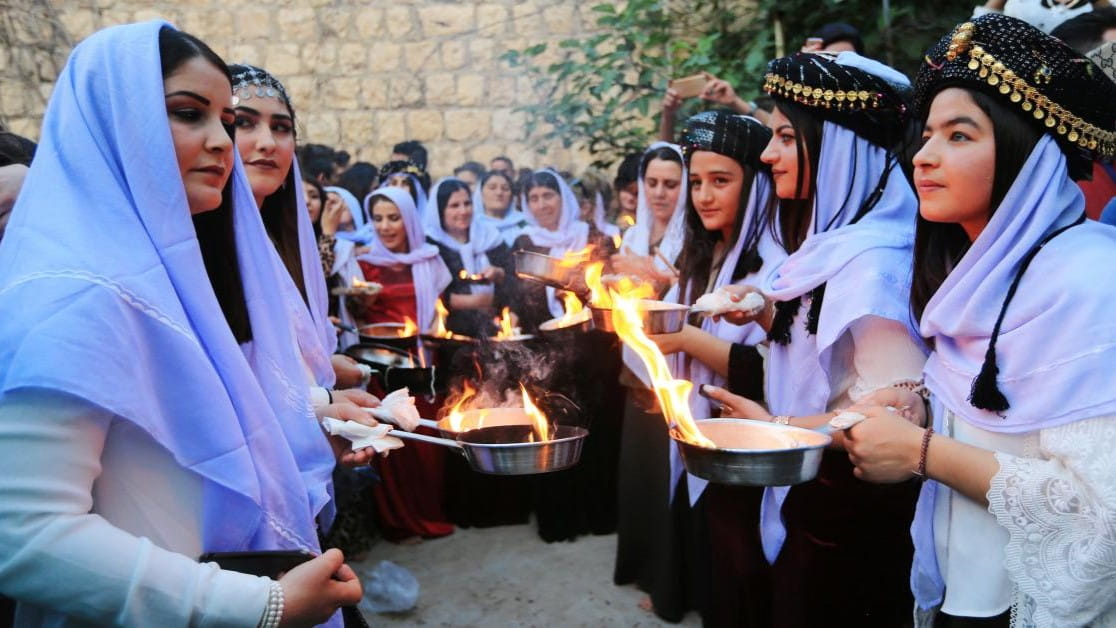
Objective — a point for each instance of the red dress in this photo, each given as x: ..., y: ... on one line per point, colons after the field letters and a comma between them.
x: 411, y: 490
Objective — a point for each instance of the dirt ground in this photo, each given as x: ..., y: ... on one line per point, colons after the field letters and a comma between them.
x: 507, y: 576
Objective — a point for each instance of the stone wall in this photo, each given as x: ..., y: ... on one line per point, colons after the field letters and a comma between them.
x: 363, y: 75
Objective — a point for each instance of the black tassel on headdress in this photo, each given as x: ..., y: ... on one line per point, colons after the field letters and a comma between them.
x: 785, y: 311
x: 985, y: 393
x: 817, y: 295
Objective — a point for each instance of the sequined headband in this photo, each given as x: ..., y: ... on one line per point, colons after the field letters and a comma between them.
x: 1027, y: 95
x: 818, y: 97
x: 250, y: 81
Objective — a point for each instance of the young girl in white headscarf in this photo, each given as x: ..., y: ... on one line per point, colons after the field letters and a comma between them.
x: 1017, y: 514
x: 494, y: 205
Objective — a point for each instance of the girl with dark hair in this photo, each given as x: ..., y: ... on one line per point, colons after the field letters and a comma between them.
x: 413, y: 275
x: 838, y: 328
x: 729, y: 195
x: 1012, y: 286
x: 410, y: 177
x: 494, y: 205
x: 472, y: 249
x: 266, y: 142
x: 147, y: 339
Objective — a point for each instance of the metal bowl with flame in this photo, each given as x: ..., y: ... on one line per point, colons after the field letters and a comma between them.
x: 755, y: 453
x: 510, y: 449
x: 395, y: 368
x: 552, y: 271
x: 580, y: 322
x: 658, y: 317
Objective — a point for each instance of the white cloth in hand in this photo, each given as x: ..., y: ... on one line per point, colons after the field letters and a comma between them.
x: 363, y: 435
x: 397, y: 408
x: 720, y: 302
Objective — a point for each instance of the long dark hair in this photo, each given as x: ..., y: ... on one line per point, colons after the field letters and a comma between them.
x: 663, y: 153
x: 791, y: 223
x: 445, y: 191
x: 695, y: 262
x: 940, y: 245
x: 308, y: 181
x: 214, y: 229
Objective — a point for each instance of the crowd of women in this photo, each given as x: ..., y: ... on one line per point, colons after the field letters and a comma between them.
x: 172, y: 288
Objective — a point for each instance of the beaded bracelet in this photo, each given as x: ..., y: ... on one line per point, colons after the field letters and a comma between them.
x: 273, y: 614
x: 921, y: 471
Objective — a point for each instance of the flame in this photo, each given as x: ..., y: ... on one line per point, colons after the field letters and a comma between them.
x: 574, y: 258
x: 626, y: 285
x: 507, y: 330
x: 357, y: 283
x: 617, y: 241
x: 598, y: 297
x: 673, y: 394
x: 626, y: 218
x: 409, y: 328
x: 464, y: 274
x: 455, y: 415
x: 575, y: 312
x: 439, y: 330
x: 538, y: 419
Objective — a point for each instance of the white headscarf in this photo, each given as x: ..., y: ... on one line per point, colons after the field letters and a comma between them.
x: 638, y: 238
x: 362, y: 230
x: 511, y: 225
x: 599, y: 220
x: 428, y: 271
x: 571, y: 235
x: 482, y: 238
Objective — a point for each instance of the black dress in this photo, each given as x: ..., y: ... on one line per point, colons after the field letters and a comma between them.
x: 476, y: 323
x: 584, y: 368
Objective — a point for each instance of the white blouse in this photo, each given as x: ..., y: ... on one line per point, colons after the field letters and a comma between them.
x: 1046, y: 544
x: 99, y: 525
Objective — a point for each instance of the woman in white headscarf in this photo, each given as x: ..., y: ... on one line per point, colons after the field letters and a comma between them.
x: 477, y: 258
x: 494, y: 205
x: 149, y: 339
x: 839, y: 328
x: 413, y: 277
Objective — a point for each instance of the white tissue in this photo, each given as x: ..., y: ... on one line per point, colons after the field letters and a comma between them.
x: 720, y: 302
x: 398, y: 408
x: 362, y: 435
x: 846, y: 419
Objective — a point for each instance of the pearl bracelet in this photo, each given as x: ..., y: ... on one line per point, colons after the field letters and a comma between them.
x: 273, y: 614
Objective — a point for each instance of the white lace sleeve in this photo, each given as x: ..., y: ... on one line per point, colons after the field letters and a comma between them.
x: 1059, y: 507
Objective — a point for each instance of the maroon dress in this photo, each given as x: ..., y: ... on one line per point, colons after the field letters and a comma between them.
x: 410, y: 492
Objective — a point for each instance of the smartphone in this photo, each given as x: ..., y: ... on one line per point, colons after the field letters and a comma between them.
x: 689, y: 86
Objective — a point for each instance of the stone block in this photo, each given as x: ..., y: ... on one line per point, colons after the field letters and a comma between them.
x: 14, y: 102
x: 492, y: 20
x: 561, y: 18
x: 336, y: 23
x: 383, y: 57
x: 26, y: 126
x: 78, y: 24
x: 144, y: 15
x: 283, y: 60
x: 485, y: 153
x: 447, y: 19
x: 216, y: 24
x: 253, y: 23
x: 357, y: 128
x: 470, y: 90
x: 406, y: 90
x: 501, y: 90
x: 322, y: 128
x: 465, y: 125
x: 482, y: 51
x: 390, y: 129
x: 455, y: 54
x: 374, y: 93
x: 440, y: 90
x: 399, y: 24
x: 343, y: 92
x: 5, y: 60
x: 245, y: 53
x: 369, y: 23
x: 298, y: 24
x: 444, y: 157
x: 421, y: 56
x: 528, y: 20
x: 424, y: 125
x: 352, y: 56
x: 304, y: 93
x: 509, y: 125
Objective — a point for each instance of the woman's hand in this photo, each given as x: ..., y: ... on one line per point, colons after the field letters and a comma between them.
x: 333, y: 214
x: 720, y: 92
x: 348, y: 371
x: 673, y: 343
x: 908, y: 404
x: 671, y: 101
x: 885, y: 448
x: 343, y: 409
x: 314, y: 590
x: 735, y: 405
x: 736, y: 294
x: 493, y: 274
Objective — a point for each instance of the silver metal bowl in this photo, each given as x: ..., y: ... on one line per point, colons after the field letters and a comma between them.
x: 546, y: 269
x: 755, y: 453
x: 658, y: 317
x: 503, y: 450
